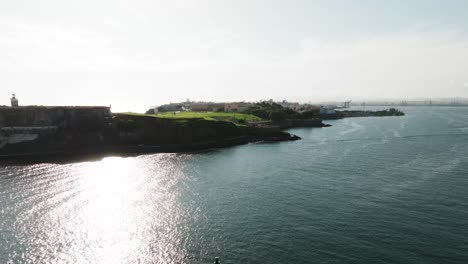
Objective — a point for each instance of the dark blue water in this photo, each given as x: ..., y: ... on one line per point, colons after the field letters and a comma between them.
x: 366, y: 190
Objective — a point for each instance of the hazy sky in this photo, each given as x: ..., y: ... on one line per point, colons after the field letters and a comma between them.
x: 134, y: 54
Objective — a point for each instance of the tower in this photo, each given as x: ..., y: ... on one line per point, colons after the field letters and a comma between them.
x: 14, y: 101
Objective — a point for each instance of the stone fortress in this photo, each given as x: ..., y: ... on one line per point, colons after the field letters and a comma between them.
x: 65, y: 117
x: 28, y: 123
x: 45, y: 131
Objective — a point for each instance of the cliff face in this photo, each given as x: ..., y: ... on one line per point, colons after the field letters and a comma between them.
x: 150, y: 130
x: 53, y: 130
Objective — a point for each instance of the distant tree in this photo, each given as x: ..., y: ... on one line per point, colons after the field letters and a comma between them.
x: 277, y: 115
x: 309, y: 114
x: 266, y: 109
x: 257, y: 112
x: 150, y: 112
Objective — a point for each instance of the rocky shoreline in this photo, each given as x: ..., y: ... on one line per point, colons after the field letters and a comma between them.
x: 363, y: 113
x: 126, y: 134
x: 35, y: 155
x: 132, y: 135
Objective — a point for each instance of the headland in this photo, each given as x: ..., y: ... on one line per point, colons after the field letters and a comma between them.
x: 38, y: 131
x: 56, y: 131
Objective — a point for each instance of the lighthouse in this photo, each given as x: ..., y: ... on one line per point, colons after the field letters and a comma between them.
x: 14, y: 101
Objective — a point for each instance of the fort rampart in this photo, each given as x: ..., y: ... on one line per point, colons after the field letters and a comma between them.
x: 62, y: 117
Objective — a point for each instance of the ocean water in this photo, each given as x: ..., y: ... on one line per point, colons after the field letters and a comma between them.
x: 366, y: 190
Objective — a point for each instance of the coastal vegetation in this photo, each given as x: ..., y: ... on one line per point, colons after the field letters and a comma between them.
x: 218, y: 116
x: 360, y: 113
x: 276, y: 112
x: 84, y: 129
x: 272, y: 113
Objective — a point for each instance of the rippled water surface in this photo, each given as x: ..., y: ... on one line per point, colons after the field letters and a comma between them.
x: 366, y: 190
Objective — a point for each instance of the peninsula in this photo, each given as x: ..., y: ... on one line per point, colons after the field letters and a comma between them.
x: 31, y: 131
x: 38, y: 130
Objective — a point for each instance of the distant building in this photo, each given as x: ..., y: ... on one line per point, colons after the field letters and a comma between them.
x: 14, y: 101
x: 236, y: 107
x: 187, y: 105
x: 293, y: 106
x: 207, y: 107
x: 308, y: 107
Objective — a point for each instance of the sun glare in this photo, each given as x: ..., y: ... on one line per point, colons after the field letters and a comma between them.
x: 118, y: 211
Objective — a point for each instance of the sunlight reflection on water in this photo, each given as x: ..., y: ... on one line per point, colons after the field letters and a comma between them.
x: 118, y: 210
x: 370, y: 196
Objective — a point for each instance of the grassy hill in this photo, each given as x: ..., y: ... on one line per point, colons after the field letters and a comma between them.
x: 217, y: 116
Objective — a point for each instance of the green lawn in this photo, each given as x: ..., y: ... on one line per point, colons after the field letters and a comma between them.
x: 219, y: 116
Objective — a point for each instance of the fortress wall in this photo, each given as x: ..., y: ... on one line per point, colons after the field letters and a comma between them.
x: 62, y: 117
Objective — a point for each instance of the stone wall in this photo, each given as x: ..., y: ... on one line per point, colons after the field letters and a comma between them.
x: 68, y: 118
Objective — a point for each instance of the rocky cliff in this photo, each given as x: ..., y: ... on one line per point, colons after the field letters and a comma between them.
x: 96, y: 132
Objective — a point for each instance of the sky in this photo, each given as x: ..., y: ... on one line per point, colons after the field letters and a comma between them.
x: 135, y: 54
